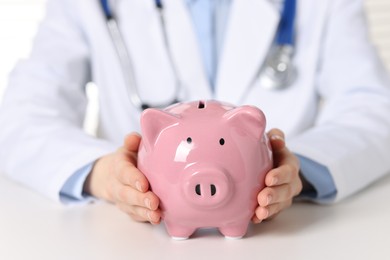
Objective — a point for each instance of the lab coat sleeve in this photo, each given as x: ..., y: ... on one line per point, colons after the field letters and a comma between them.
x: 42, y: 142
x: 352, y: 134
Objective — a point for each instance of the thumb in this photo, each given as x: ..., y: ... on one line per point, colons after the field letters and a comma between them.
x: 276, y: 137
x: 132, y: 141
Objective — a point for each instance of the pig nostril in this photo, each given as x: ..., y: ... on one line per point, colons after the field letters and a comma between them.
x: 201, y: 105
x: 213, y: 189
x: 197, y: 189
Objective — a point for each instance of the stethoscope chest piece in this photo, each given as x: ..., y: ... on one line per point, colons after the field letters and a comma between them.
x: 278, y: 71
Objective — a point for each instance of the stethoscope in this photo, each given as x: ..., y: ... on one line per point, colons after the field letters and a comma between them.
x: 278, y: 71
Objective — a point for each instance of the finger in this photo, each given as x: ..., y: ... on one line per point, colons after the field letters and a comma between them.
x: 277, y: 139
x: 129, y: 175
x: 276, y: 132
x: 129, y: 150
x: 140, y: 213
x: 132, y: 141
x: 278, y: 194
x: 131, y: 196
x: 282, y: 174
x: 255, y: 219
x: 270, y: 211
x: 122, y: 154
x: 283, y: 157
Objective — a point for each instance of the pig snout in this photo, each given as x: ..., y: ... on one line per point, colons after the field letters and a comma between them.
x: 208, y: 188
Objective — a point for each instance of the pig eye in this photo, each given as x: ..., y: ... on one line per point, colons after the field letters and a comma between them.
x: 189, y: 140
x: 221, y: 141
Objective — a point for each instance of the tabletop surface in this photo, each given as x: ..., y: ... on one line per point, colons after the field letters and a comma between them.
x: 33, y: 227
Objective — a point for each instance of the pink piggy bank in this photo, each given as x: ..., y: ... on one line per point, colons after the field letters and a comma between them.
x: 206, y: 161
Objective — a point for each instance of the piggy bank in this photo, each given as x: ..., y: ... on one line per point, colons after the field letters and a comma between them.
x: 206, y: 161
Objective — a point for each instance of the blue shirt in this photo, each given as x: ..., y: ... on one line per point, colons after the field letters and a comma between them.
x: 209, y: 20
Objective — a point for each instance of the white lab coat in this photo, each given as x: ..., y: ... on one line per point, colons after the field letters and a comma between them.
x: 41, y: 138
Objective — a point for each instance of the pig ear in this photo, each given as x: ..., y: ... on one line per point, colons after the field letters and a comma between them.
x: 153, y: 122
x: 248, y: 119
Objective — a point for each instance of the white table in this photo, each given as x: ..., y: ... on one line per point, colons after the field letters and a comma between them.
x: 32, y: 227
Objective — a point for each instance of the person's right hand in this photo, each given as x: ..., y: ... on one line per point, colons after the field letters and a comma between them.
x: 116, y: 178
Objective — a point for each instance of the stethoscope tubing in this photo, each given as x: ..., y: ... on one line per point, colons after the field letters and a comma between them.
x: 286, y: 25
x: 125, y: 59
x: 271, y: 74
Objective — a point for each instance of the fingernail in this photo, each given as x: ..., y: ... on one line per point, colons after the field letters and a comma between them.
x: 149, y: 216
x: 147, y: 203
x: 274, y: 181
x: 256, y: 220
x: 136, y: 133
x: 133, y: 133
x: 269, y: 199
x: 277, y: 137
x: 138, y: 186
x: 265, y: 213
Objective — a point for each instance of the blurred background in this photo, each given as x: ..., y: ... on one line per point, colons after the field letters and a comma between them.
x: 19, y: 20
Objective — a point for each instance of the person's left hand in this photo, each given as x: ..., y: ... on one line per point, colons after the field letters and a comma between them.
x: 282, y: 182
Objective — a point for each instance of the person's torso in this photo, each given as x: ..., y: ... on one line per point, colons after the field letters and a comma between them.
x: 249, y: 35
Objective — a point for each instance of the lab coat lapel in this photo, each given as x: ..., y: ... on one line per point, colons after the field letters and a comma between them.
x: 185, y: 50
x: 250, y: 33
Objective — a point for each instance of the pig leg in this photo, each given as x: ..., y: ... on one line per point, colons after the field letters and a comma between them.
x: 236, y: 231
x: 178, y: 232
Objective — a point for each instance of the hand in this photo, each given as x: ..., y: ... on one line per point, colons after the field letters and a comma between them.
x: 116, y: 178
x: 282, y: 183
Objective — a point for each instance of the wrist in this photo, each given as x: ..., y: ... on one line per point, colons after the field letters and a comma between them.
x: 307, y: 187
x: 96, y: 181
